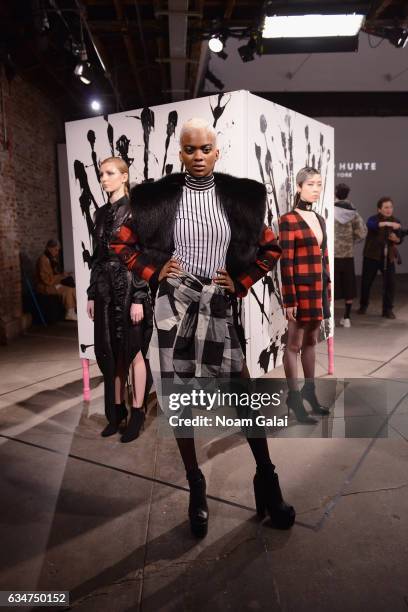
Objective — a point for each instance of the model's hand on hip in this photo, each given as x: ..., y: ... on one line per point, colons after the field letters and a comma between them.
x: 136, y: 313
x: 223, y: 279
x: 90, y: 309
x: 170, y: 268
x: 291, y: 313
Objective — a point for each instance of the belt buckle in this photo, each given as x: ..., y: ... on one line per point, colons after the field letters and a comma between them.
x: 188, y: 282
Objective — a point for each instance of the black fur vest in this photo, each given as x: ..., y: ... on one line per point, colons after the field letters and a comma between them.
x: 154, y: 207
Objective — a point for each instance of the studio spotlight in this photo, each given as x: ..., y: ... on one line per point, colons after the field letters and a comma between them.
x: 399, y: 38
x: 216, y: 44
x: 96, y: 105
x: 247, y: 52
x: 83, y: 69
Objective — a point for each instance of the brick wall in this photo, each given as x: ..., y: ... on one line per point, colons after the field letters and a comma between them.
x: 28, y: 189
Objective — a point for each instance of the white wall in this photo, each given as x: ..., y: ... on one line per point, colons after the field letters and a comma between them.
x: 372, y: 68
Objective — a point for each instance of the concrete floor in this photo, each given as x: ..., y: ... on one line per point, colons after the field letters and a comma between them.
x: 107, y: 521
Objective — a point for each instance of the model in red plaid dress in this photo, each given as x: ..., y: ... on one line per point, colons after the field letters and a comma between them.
x: 305, y: 289
x: 304, y: 267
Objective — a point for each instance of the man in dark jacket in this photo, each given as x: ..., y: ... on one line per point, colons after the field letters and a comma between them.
x: 380, y: 253
x: 203, y: 238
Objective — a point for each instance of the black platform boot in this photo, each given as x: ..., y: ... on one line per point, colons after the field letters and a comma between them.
x: 268, y: 498
x: 198, y: 509
x: 119, y: 414
x: 137, y: 418
x: 294, y: 402
x: 309, y: 393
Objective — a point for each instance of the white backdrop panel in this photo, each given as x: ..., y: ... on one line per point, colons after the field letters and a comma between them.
x: 257, y: 139
x: 281, y: 142
x: 148, y: 140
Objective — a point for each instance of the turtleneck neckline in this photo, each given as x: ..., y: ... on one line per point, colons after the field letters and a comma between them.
x: 199, y: 183
x: 304, y: 205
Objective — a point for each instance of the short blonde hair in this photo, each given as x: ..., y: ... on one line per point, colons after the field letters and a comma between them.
x: 196, y: 123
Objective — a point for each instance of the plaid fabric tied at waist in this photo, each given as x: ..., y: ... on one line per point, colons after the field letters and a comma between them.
x: 201, y: 335
x: 194, y: 334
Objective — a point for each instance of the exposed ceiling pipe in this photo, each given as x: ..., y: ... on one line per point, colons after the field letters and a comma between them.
x: 178, y: 25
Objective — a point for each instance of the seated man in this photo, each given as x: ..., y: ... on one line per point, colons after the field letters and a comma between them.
x: 52, y: 281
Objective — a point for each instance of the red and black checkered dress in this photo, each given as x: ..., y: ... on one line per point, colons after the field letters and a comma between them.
x: 304, y: 268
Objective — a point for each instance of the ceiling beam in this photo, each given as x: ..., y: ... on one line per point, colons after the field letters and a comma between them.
x: 380, y: 9
x: 229, y: 9
x: 131, y: 52
x: 178, y: 25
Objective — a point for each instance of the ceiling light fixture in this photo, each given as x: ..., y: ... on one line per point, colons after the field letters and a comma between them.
x: 311, y: 26
x: 216, y: 43
x: 247, y: 52
x: 400, y: 38
x: 83, y: 68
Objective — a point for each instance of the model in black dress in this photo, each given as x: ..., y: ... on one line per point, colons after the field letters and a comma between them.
x: 118, y: 303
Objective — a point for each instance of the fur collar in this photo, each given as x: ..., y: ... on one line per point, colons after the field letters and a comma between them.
x: 154, y: 207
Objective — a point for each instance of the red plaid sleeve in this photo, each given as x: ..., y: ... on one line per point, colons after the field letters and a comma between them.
x: 267, y: 257
x: 125, y: 246
x: 287, y: 242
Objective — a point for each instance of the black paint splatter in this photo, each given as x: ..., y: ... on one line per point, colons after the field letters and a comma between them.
x: 92, y: 139
x: 172, y: 121
x: 263, y: 124
x: 86, y: 256
x: 147, y: 120
x: 110, y: 134
x: 122, y: 147
x: 86, y: 198
x: 258, y: 152
x: 218, y: 110
x: 308, y: 146
x: 85, y: 346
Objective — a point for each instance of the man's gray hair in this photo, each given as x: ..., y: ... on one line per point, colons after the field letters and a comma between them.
x: 196, y: 123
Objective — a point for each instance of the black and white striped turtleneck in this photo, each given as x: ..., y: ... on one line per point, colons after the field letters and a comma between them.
x: 201, y: 233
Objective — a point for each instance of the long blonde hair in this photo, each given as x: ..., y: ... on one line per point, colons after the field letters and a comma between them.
x: 121, y: 166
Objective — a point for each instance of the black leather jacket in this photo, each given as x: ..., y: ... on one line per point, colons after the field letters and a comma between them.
x: 108, y: 220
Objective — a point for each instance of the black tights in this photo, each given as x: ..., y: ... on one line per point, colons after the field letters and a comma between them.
x: 258, y: 446
x: 302, y: 338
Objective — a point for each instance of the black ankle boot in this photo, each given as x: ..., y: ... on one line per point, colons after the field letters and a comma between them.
x: 120, y: 413
x: 309, y: 393
x: 136, y: 421
x: 198, y: 508
x: 294, y: 402
x: 268, y: 498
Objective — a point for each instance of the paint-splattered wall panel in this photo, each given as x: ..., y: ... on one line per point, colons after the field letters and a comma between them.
x: 257, y: 139
x: 280, y: 142
x: 147, y: 139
